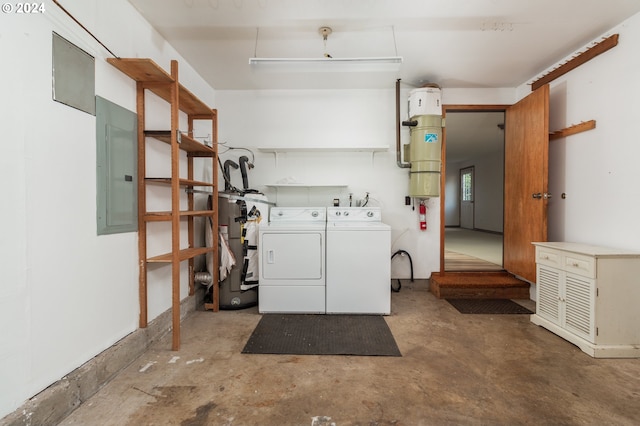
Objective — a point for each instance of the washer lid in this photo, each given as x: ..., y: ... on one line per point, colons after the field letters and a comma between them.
x: 357, y: 226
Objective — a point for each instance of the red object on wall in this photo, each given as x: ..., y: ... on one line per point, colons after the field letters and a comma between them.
x: 422, y: 209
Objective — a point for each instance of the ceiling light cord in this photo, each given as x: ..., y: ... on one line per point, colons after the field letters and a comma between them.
x: 255, y: 47
x: 325, y: 31
x: 395, y: 45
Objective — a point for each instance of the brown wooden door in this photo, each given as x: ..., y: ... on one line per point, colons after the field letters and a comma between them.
x: 526, y: 181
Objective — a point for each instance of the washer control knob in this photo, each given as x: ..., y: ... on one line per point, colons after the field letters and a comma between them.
x: 346, y: 213
x: 369, y: 213
x: 314, y: 213
x: 338, y: 213
x: 280, y: 213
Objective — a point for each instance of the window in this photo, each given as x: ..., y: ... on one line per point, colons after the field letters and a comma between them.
x: 466, y: 184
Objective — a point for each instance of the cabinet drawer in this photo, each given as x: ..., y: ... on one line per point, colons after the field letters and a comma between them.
x: 549, y: 257
x: 580, y: 265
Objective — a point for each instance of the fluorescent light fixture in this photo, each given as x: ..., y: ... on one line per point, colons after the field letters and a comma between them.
x: 371, y: 64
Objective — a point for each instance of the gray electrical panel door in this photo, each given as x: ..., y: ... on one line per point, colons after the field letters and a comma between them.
x: 116, y: 155
x: 74, y: 79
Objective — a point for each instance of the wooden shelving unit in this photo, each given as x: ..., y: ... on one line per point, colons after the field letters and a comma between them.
x: 151, y: 77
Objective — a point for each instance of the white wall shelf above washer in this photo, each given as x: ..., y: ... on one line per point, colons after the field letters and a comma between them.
x: 326, y: 149
x: 306, y: 185
x: 286, y: 192
x: 281, y: 150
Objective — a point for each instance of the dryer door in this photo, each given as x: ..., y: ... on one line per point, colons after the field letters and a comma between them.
x: 292, y: 256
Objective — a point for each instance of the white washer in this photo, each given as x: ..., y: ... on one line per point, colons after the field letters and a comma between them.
x: 358, y: 261
x: 292, y: 261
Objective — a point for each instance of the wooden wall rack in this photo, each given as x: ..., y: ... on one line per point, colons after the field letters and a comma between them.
x: 573, y: 63
x: 572, y: 130
x: 151, y: 77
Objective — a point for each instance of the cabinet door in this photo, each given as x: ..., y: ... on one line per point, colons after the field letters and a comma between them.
x: 548, y: 289
x: 579, y: 306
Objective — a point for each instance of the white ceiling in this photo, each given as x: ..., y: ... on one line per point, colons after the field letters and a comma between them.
x: 454, y: 43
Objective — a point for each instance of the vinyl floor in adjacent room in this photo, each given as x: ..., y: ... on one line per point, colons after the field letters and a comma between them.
x: 470, y: 250
x: 456, y: 369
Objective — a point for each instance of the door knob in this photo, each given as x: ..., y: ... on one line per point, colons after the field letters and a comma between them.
x: 547, y: 196
x: 537, y: 195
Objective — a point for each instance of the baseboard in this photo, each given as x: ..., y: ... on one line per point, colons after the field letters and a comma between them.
x: 60, y: 399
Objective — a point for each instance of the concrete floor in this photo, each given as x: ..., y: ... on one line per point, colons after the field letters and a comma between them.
x: 455, y: 369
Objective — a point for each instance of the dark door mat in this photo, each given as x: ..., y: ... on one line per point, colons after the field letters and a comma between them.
x: 300, y: 334
x: 488, y: 306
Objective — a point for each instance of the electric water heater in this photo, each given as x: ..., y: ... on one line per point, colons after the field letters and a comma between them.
x: 425, y: 147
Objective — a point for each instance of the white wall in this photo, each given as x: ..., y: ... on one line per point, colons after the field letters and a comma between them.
x: 597, y: 169
x: 66, y: 293
x: 338, y: 118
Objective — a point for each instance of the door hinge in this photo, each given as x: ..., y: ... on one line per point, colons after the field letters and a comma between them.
x: 596, y: 331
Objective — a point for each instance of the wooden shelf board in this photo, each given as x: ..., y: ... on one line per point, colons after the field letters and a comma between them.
x: 197, y: 213
x: 157, y: 216
x: 165, y: 216
x: 183, y: 182
x: 187, y: 143
x: 190, y: 182
x: 190, y: 104
x: 147, y: 71
x: 572, y: 130
x: 141, y: 69
x: 184, y: 254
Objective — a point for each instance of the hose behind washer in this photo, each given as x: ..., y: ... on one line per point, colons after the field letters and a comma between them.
x: 402, y: 252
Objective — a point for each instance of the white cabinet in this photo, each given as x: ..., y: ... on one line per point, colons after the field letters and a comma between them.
x: 590, y: 296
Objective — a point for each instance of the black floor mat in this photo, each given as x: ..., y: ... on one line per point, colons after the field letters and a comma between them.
x: 299, y: 334
x: 488, y: 306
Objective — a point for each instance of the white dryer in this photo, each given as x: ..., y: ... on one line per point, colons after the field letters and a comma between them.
x: 358, y: 261
x: 292, y: 261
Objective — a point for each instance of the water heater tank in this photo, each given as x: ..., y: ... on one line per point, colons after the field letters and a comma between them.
x: 425, y: 148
